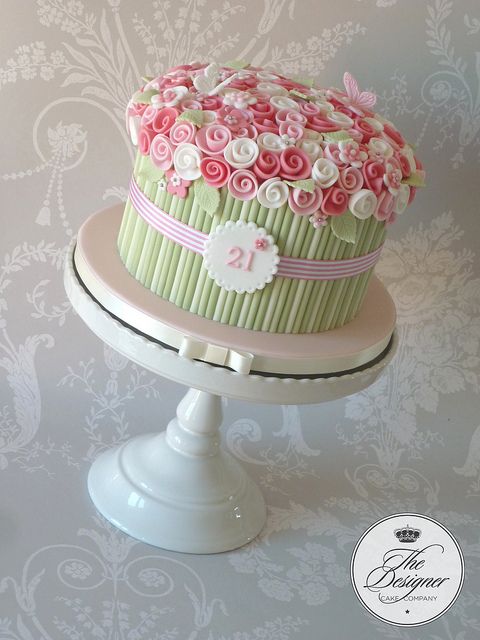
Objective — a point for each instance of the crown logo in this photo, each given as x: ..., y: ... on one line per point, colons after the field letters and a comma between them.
x: 407, y: 534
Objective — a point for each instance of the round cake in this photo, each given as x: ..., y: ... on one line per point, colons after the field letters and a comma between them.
x: 261, y: 201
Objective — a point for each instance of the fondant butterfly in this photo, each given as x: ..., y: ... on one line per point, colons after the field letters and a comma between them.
x: 207, y: 80
x: 357, y: 100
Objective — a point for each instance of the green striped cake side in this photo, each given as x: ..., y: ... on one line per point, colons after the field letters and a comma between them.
x: 285, y: 305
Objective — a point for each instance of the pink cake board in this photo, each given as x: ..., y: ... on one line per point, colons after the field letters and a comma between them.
x: 354, y: 345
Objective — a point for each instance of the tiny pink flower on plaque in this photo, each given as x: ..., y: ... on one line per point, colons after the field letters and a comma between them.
x: 261, y: 244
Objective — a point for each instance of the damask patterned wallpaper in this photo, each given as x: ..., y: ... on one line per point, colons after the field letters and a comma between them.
x: 409, y: 443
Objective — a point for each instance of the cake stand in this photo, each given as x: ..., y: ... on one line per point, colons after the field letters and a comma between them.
x: 179, y: 489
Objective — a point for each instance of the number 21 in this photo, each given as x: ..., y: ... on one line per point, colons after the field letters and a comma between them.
x: 236, y: 258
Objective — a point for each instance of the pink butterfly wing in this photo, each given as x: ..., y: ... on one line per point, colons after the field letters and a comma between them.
x: 351, y: 85
x: 366, y: 99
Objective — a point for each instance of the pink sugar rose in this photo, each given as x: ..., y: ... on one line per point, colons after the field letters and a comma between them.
x: 292, y: 130
x: 304, y: 203
x: 263, y: 110
x: 335, y: 201
x: 145, y: 137
x: 245, y: 83
x: 148, y: 115
x: 212, y: 103
x: 182, y: 132
x: 177, y: 185
x: 373, y: 172
x: 385, y: 206
x: 332, y: 152
x: 264, y: 125
x: 365, y: 128
x: 190, y: 103
x: 321, y: 124
x: 164, y: 119
x: 267, y: 165
x: 180, y: 80
x: 309, y: 109
x: 136, y: 108
x: 243, y: 184
x: 290, y: 116
x: 213, y: 138
x: 215, y: 171
x: 249, y: 131
x: 393, y: 136
x: 233, y: 118
x: 161, y: 152
x: 403, y: 162
x: 350, y: 179
x: 295, y: 164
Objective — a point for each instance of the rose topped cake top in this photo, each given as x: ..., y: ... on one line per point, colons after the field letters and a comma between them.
x: 325, y: 152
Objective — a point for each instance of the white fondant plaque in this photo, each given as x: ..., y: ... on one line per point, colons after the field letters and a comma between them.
x: 241, y: 257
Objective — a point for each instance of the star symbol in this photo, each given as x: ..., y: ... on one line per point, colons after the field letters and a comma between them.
x: 407, y: 611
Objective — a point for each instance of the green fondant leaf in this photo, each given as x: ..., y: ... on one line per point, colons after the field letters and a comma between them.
x: 195, y: 116
x: 208, y: 197
x: 308, y: 82
x: 144, y: 97
x: 304, y: 185
x: 147, y: 78
x: 344, y: 226
x: 299, y: 94
x: 237, y: 64
x: 152, y: 173
x: 415, y: 180
x: 336, y: 136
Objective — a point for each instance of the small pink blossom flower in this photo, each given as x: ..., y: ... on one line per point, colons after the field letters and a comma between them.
x: 238, y: 99
x: 261, y: 244
x: 393, y: 176
x: 318, y: 219
x: 177, y: 185
x: 351, y: 153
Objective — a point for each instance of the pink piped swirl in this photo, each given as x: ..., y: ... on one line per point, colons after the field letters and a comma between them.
x: 182, y: 132
x: 350, y: 179
x: 267, y: 165
x: 304, y: 203
x: 215, y: 171
x: 145, y: 137
x: 164, y: 119
x: 243, y: 184
x: 335, y: 201
x: 213, y: 138
x: 294, y: 164
x: 161, y: 152
x: 373, y: 172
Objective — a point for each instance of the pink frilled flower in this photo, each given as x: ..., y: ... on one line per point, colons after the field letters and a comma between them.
x: 335, y: 201
x: 177, y: 185
x: 393, y: 176
x: 182, y: 132
x: 233, y: 118
x: 213, y: 139
x: 350, y: 179
x: 267, y: 165
x: 161, y: 152
x: 215, y: 171
x: 145, y: 137
x: 295, y: 164
x: 243, y: 184
x: 351, y: 153
x: 373, y: 172
x: 304, y: 203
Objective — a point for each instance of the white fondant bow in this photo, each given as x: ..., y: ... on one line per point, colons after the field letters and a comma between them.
x: 239, y: 361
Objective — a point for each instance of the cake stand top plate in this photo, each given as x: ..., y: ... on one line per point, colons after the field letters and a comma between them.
x: 140, y: 325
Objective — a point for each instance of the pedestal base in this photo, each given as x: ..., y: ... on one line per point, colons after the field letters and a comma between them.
x: 178, y: 490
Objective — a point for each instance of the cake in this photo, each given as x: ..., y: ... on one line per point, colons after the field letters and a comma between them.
x: 261, y: 201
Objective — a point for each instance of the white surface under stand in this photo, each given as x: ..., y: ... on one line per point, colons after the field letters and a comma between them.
x: 179, y: 489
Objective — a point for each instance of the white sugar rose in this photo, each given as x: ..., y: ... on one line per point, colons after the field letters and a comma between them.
x: 283, y: 102
x: 186, y: 161
x: 270, y: 142
x: 340, y: 119
x: 273, y: 193
x: 311, y: 148
x: 363, y: 203
x: 379, y: 149
x: 407, y: 151
x: 374, y: 123
x: 401, y: 201
x: 324, y: 172
x: 241, y: 153
x: 272, y: 88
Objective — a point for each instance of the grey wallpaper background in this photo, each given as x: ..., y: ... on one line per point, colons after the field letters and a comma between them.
x: 409, y: 443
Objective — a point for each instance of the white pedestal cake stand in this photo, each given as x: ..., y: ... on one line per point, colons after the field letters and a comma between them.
x: 179, y: 489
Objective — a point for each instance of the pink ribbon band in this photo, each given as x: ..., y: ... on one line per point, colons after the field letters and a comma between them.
x: 288, y: 267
